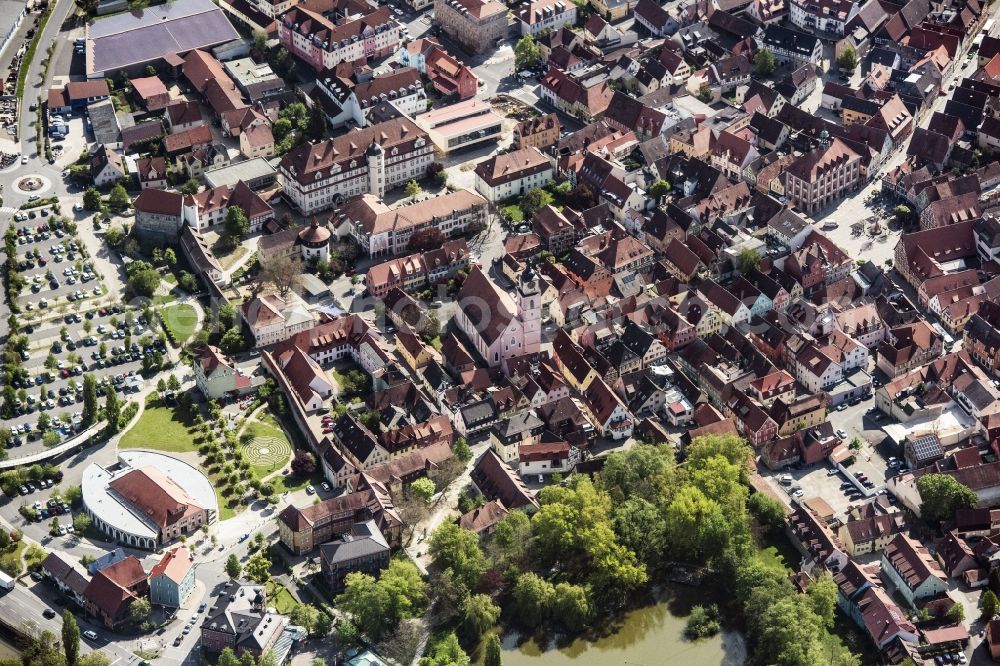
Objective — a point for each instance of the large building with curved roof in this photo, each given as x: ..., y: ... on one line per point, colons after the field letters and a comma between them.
x: 148, y: 499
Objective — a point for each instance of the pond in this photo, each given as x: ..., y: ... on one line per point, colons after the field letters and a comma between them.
x: 647, y: 636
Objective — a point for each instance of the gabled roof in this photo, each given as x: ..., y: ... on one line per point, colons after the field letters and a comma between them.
x: 498, y: 481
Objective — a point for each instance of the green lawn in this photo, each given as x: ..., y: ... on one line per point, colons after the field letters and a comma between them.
x: 170, y: 278
x: 514, y: 213
x: 280, y: 598
x: 181, y: 320
x: 162, y: 429
x: 778, y: 553
x: 225, y: 510
x: 290, y: 482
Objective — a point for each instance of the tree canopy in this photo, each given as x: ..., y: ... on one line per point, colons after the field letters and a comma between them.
x: 941, y: 495
x: 848, y: 60
x: 763, y: 62
x: 526, y: 53
x: 377, y: 606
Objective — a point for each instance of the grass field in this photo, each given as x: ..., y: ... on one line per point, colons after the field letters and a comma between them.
x: 514, y: 213
x: 162, y: 429
x: 181, y: 320
x: 778, y: 553
x: 279, y: 597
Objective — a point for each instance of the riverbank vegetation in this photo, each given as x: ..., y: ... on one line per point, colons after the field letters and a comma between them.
x: 596, y: 546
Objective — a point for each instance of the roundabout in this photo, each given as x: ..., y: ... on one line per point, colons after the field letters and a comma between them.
x: 32, y: 184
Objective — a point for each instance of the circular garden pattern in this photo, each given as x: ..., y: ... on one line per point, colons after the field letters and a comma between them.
x: 263, y: 451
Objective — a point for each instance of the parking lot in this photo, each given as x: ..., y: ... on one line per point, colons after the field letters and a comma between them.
x: 108, y: 343
x: 871, y: 460
x: 54, y: 263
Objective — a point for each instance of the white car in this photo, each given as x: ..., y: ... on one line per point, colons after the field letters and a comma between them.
x: 24, y: 159
x: 841, y: 434
x: 92, y: 635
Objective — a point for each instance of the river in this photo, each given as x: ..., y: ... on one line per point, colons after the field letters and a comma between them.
x: 647, y: 636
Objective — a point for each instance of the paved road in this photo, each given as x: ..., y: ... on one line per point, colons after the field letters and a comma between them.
x: 24, y: 604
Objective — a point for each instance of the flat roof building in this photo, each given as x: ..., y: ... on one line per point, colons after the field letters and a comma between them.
x: 256, y: 173
x: 461, y: 125
x: 132, y: 40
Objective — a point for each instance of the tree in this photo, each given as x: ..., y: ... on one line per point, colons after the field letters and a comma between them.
x: 233, y: 566
x: 644, y: 471
x: 138, y: 612
x: 118, y: 198
x: 233, y: 342
x: 281, y: 272
x: 143, y: 279
x: 91, y: 199
x: 702, y: 622
x: 258, y: 568
x: 532, y: 596
x: 479, y: 615
x: 377, y: 606
x: 169, y: 257
x: 51, y: 438
x: 989, y: 604
x: 428, y: 238
x: 659, y: 189
x: 461, y: 450
x: 81, y: 523
x: 533, y: 200
x: 956, y: 614
x: 581, y: 197
x: 763, y: 62
x: 303, y: 463
x: 458, y: 549
x: 494, y: 655
x: 848, y: 60
x: 422, y: 489
x: 237, y: 225
x: 903, y: 213
x: 94, y: 659
x: 571, y: 606
x: 412, y: 188
x: 641, y: 528
x: 70, y: 637
x: 112, y: 410
x: 769, y: 512
x: 446, y: 652
x: 747, y: 260
x: 42, y: 650
x: 317, y: 123
x: 191, y: 186
x: 511, y: 536
x: 173, y: 383
x: 526, y: 53
x: 823, y: 595
x: 228, y: 658
x: 305, y: 615
x: 941, y: 495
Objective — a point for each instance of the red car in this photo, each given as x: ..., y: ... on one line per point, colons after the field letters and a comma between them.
x: 327, y: 431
